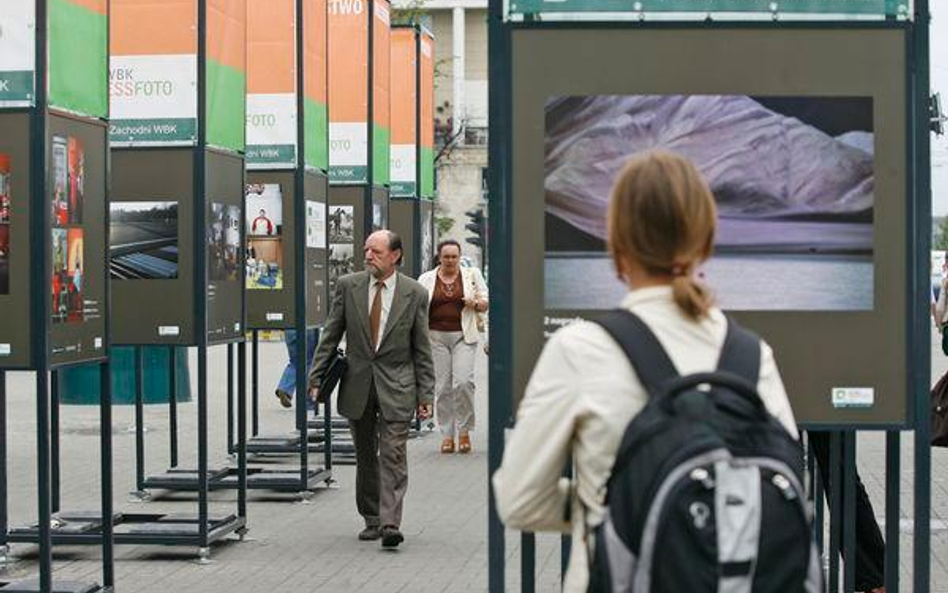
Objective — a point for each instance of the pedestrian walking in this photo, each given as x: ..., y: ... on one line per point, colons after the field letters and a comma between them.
x: 456, y: 317
x: 286, y: 388
x: 583, y: 392
x: 390, y: 377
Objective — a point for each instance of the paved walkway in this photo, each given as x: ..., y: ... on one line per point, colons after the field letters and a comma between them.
x: 312, y: 547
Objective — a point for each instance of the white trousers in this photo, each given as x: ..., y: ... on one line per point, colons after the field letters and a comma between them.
x: 454, y: 382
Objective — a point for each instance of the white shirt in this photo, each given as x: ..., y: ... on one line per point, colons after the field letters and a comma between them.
x: 582, y: 394
x: 388, y: 295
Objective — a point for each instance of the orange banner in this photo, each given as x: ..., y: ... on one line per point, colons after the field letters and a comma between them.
x: 404, y: 76
x: 314, y: 50
x: 271, y: 46
x: 153, y: 27
x: 427, y: 89
x: 381, y: 64
x: 348, y: 61
x: 227, y: 33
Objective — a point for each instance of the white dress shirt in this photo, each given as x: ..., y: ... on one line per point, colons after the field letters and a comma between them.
x: 582, y: 394
x: 388, y: 295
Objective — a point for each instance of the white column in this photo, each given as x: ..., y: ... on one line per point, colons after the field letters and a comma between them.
x: 459, y: 76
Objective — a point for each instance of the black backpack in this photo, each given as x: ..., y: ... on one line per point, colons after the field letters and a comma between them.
x: 706, y: 494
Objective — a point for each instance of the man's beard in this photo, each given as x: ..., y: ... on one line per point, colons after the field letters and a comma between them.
x: 374, y: 270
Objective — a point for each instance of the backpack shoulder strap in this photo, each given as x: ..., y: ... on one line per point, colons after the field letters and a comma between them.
x: 740, y: 354
x: 644, y: 351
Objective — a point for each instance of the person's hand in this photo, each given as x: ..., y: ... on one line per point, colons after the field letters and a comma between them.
x: 314, y: 395
x: 471, y: 303
x: 424, y: 411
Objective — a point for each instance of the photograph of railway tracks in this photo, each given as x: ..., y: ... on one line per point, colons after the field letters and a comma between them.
x: 144, y: 240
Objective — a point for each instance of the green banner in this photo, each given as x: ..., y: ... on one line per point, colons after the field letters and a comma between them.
x: 78, y: 59
x: 316, y: 118
x: 226, y: 106
x: 16, y: 87
x: 271, y: 154
x: 381, y: 155
x: 858, y: 7
x: 427, y: 173
x: 348, y: 174
x: 402, y: 189
x: 153, y: 131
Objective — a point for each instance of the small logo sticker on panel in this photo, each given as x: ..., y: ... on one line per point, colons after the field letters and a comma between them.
x: 6, y: 350
x: 274, y: 316
x: 853, y: 397
x: 168, y: 330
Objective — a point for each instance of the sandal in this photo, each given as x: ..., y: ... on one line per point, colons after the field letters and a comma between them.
x: 464, y: 443
x: 447, y: 445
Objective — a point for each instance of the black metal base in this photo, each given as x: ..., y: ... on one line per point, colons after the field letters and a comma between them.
x: 279, y: 480
x: 33, y: 586
x: 281, y: 444
x: 85, y: 528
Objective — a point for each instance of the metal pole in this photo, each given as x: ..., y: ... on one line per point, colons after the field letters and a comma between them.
x: 139, y: 422
x: 54, y: 440
x: 255, y: 383
x: 230, y: 398
x: 173, y: 406
x: 528, y: 554
x: 835, y: 508
x: 849, y: 511
x: 921, y: 239
x: 241, y: 427
x: 44, y: 512
x: 893, y: 450
x: 105, y: 460
x: 302, y: 424
x: 4, y: 519
x: 499, y: 404
x: 202, y: 445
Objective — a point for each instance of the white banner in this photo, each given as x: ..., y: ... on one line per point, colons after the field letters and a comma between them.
x: 17, y: 52
x: 348, y: 144
x: 404, y: 161
x: 271, y: 122
x: 153, y: 87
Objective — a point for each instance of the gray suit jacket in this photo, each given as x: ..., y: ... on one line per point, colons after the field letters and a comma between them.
x: 401, y: 368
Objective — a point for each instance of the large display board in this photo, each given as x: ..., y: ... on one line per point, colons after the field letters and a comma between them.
x: 412, y: 219
x: 78, y: 36
x: 812, y: 197
x: 151, y: 246
x: 347, y: 213
x: 76, y: 189
x: 348, y: 92
x: 567, y: 7
x: 225, y: 241
x: 272, y: 245
x: 15, y: 302
x: 426, y: 170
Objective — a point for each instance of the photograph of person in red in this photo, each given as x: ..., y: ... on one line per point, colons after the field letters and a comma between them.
x: 67, y: 275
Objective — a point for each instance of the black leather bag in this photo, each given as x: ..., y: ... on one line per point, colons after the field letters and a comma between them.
x: 338, y: 365
x: 939, y: 435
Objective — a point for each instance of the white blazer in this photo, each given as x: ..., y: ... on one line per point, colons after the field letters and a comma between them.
x: 474, y: 288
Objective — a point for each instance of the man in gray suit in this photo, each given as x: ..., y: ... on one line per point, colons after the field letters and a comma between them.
x: 384, y: 316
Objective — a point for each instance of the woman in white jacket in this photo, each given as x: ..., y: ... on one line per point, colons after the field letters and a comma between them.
x: 458, y: 300
x: 583, y: 392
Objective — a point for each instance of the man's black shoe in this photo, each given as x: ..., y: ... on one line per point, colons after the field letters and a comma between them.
x: 286, y: 400
x: 370, y: 533
x: 391, y: 537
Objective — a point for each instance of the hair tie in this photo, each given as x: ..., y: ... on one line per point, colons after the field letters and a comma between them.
x: 678, y: 270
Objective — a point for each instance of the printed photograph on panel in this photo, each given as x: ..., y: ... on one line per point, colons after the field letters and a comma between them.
x: 793, y: 178
x: 67, y: 275
x: 341, y: 224
x: 223, y: 240
x: 341, y: 261
x: 143, y: 240
x: 315, y: 224
x: 264, y: 220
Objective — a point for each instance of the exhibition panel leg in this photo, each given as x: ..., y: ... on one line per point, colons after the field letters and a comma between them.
x: 173, y: 406
x: 139, y: 425
x: 44, y: 511
x: 105, y: 461
x: 893, y: 452
x: 4, y: 516
x: 54, y: 440
x: 241, y: 431
x: 230, y: 399
x: 203, y: 539
x: 255, y: 383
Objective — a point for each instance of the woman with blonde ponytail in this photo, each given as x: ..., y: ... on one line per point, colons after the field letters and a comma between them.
x: 583, y: 391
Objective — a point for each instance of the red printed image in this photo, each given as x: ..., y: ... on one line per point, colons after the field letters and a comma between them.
x: 67, y: 275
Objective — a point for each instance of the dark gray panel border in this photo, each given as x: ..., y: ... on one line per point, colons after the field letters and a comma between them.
x: 816, y: 351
